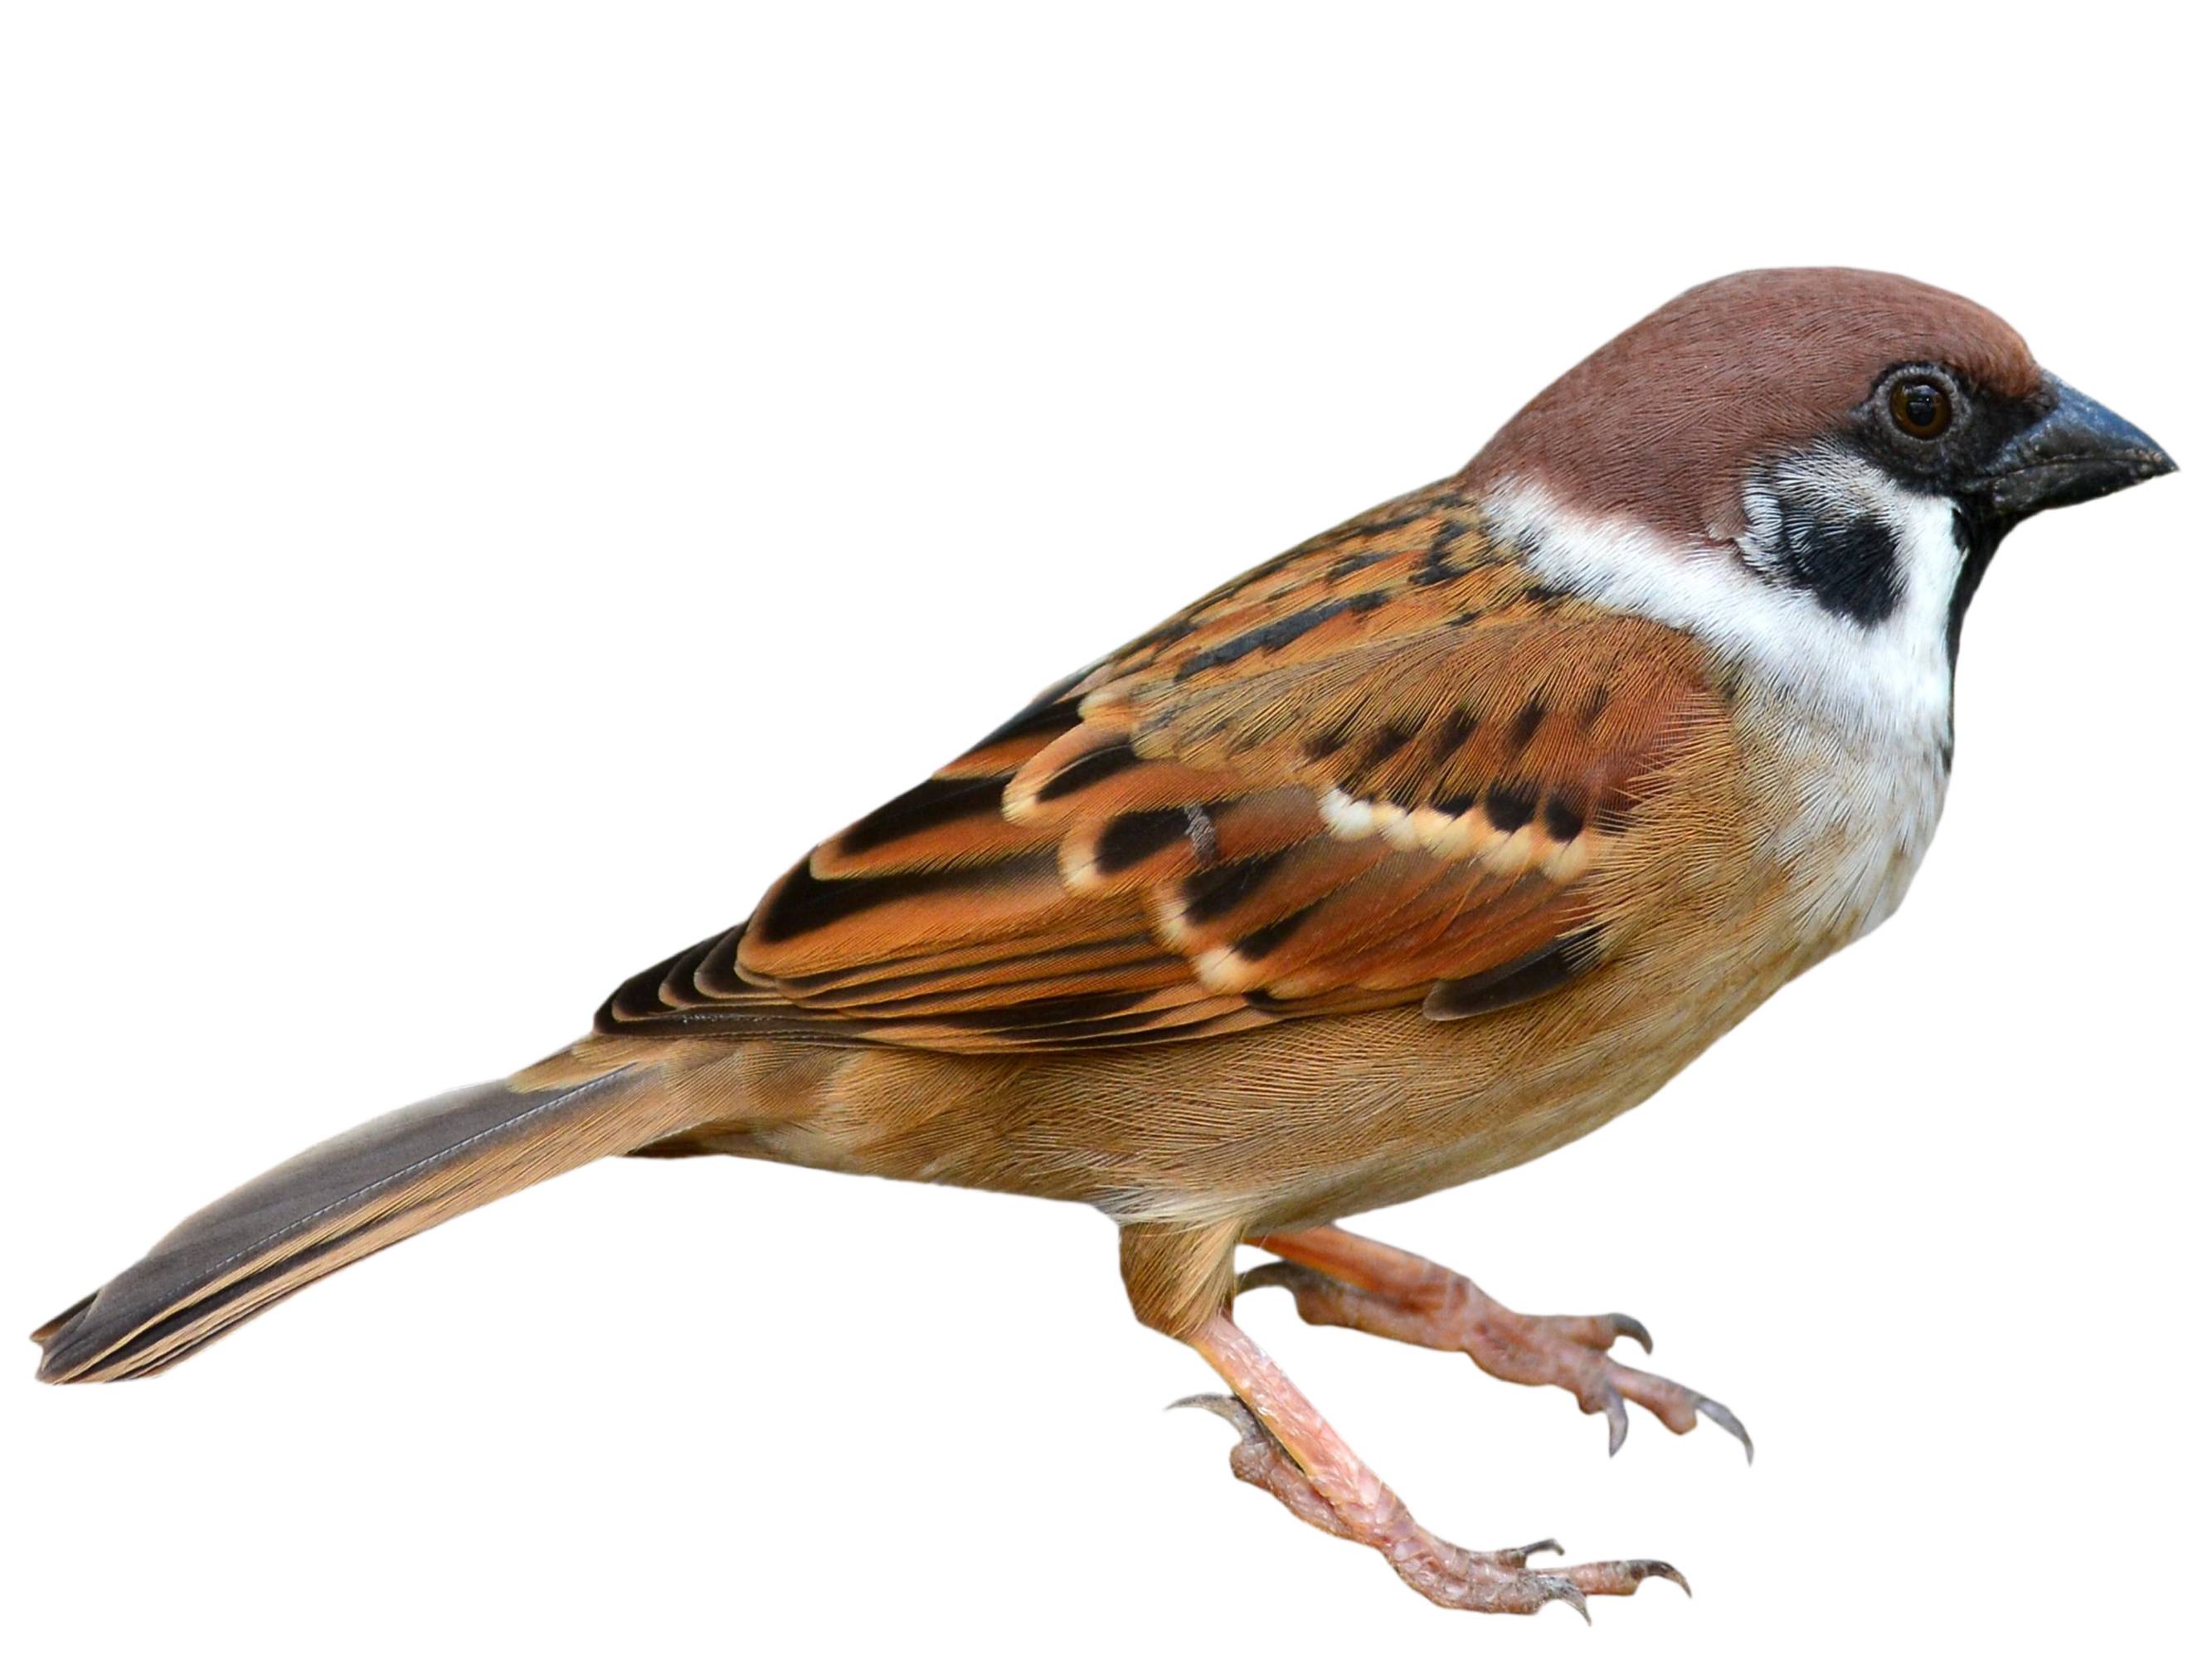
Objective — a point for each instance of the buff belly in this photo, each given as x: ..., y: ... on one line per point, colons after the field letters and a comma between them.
x: 1293, y: 1125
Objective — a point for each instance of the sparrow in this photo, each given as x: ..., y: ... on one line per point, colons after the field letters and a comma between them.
x: 1406, y: 857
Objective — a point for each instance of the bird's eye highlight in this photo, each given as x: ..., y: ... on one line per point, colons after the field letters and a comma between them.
x: 1922, y: 409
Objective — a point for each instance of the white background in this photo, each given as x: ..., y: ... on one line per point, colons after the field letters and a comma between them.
x: 485, y: 488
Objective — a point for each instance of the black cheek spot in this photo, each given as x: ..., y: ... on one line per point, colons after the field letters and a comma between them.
x: 1525, y: 724
x: 1857, y: 574
x: 1561, y: 821
x: 1848, y: 564
x: 1453, y: 806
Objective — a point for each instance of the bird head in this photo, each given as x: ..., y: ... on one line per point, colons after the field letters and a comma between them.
x: 1813, y: 467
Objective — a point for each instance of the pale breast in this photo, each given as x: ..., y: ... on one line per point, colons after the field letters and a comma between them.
x: 1843, y: 722
x: 1850, y: 813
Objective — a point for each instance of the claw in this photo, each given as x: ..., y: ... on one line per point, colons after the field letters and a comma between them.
x: 1728, y: 1419
x: 1628, y: 1326
x: 1269, y: 1273
x: 1616, y: 1417
x: 1226, y: 1406
x: 1563, y: 1589
x: 1644, y: 1570
x: 1519, y: 1558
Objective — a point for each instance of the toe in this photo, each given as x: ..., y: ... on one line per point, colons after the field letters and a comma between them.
x: 1518, y: 1557
x: 1678, y: 1408
x: 1621, y: 1577
x: 1268, y: 1274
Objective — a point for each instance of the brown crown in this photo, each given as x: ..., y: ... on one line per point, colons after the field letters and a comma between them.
x: 1660, y: 422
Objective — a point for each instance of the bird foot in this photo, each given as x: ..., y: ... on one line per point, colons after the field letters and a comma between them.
x: 1436, y: 1308
x: 1475, y: 1581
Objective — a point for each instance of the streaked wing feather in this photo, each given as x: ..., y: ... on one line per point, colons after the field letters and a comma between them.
x: 1386, y: 767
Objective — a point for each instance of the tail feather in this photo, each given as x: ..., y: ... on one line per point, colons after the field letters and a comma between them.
x: 342, y: 1201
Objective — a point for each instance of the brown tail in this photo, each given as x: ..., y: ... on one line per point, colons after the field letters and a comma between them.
x: 340, y: 1201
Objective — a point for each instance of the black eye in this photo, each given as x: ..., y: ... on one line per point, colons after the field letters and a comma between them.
x: 1922, y: 409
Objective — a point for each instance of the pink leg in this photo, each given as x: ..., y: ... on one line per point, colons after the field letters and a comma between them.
x: 1286, y: 1448
x: 1341, y: 1279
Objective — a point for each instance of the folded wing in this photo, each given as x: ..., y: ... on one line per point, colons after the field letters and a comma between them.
x: 1389, y: 767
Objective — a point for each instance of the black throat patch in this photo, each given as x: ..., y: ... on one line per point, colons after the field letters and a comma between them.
x: 1978, y: 537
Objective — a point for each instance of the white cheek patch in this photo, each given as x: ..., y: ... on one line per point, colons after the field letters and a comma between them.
x: 1885, y: 680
